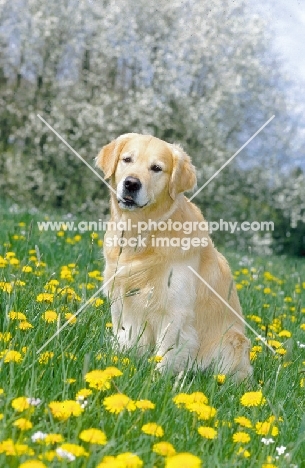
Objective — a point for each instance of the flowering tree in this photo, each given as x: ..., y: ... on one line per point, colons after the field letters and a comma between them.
x: 197, y: 73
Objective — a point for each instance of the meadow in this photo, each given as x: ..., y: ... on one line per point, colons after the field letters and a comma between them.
x: 79, y: 402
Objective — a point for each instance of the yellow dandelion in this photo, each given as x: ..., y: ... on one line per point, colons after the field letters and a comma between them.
x: 253, y: 399
x: 242, y: 451
x: 75, y: 449
x: 24, y: 325
x: 32, y: 464
x: 45, y: 357
x: 45, y: 297
x: 183, y: 399
x: 241, y: 436
x: 70, y: 381
x: 266, y: 428
x: 53, y: 438
x: 203, y: 411
x: 6, y: 287
x: 220, y: 378
x: 100, y: 379
x: 98, y: 302
x: 207, y: 432
x: 165, y: 449
x: 23, y: 424
x: 49, y: 316
x: 152, y: 429
x: 20, y: 404
x: 119, y: 402
x: 123, y: 460
x: 145, y: 405
x: 71, y: 318
x: 184, y: 459
x: 27, y: 269
x: 94, y: 436
x: 5, y: 336
x: 49, y: 455
x: 16, y: 315
x: 12, y: 356
x: 285, y: 334
x: 243, y: 421
x: 62, y: 410
x: 83, y: 393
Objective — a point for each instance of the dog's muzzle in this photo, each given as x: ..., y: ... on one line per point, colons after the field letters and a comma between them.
x: 131, y: 189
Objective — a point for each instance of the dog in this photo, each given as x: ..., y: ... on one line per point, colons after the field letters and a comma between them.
x: 157, y: 301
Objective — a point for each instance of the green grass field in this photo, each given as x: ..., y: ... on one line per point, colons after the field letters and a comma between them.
x: 141, y: 418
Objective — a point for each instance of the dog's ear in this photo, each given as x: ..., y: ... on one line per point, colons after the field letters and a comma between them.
x: 183, y: 177
x: 107, y: 158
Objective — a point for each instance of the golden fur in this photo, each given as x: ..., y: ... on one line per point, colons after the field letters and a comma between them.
x: 157, y: 301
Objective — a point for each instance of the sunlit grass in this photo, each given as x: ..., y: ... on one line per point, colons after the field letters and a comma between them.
x: 81, y: 403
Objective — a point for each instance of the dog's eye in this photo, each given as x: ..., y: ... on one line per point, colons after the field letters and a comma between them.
x: 127, y: 159
x: 156, y: 168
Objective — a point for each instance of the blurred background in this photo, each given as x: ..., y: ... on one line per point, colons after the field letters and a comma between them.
x: 203, y: 74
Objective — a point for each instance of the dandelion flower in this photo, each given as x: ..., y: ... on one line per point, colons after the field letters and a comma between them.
x: 185, y: 460
x: 203, y: 411
x: 24, y: 325
x: 243, y: 421
x: 266, y: 428
x: 12, y: 356
x: 20, y: 404
x: 207, y: 432
x: 98, y: 379
x: 118, y: 403
x: 53, y: 438
x: 16, y: 315
x: 124, y: 460
x: 183, y: 399
x: 83, y: 393
x: 23, y: 424
x: 253, y: 399
x: 145, y: 405
x: 70, y: 317
x: 74, y: 449
x: 49, y: 316
x: 242, y: 451
x: 241, y: 437
x: 32, y: 464
x: 94, y: 436
x: 45, y: 297
x: 220, y: 378
x: 164, y: 448
x: 153, y: 429
x: 45, y: 357
x: 62, y: 410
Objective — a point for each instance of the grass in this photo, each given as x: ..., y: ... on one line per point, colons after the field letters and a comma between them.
x: 271, y: 292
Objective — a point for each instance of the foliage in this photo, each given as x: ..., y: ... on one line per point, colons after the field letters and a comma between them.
x: 79, y: 400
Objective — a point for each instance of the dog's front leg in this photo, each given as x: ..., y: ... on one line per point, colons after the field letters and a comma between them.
x: 177, y: 344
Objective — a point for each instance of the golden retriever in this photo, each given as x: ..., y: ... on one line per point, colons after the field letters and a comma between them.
x: 156, y: 300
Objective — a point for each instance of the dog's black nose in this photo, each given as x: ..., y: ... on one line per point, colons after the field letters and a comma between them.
x: 132, y: 184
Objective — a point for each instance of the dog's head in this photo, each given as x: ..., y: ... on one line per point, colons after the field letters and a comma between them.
x: 145, y: 170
